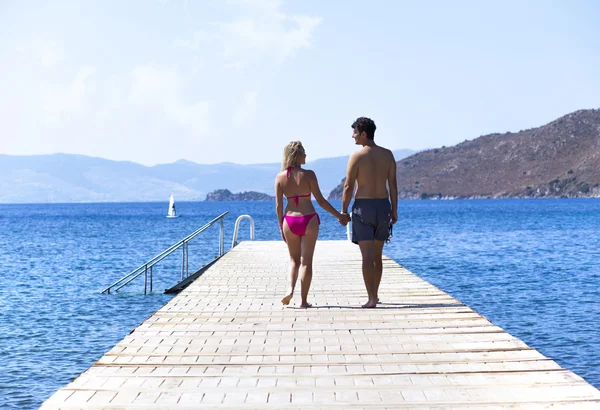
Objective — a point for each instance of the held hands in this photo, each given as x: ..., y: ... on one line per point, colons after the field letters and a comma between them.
x: 344, y: 218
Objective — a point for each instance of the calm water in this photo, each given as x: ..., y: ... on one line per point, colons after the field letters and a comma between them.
x: 530, y: 266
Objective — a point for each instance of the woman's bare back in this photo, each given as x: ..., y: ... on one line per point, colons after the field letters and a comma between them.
x: 295, y: 186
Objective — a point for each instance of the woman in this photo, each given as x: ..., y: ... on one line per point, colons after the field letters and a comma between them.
x: 300, y: 225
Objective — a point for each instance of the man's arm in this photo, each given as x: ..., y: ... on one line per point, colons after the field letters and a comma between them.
x: 393, y: 186
x: 351, y: 173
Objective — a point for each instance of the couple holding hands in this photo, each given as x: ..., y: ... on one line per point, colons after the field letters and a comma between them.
x: 372, y: 169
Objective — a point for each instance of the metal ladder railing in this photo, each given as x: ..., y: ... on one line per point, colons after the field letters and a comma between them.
x: 236, y: 229
x: 146, y: 268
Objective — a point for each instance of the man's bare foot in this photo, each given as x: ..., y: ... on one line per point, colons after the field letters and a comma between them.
x: 370, y: 304
x: 306, y: 305
x: 286, y: 299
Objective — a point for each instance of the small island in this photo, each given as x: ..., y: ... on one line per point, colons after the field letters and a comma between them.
x: 225, y: 195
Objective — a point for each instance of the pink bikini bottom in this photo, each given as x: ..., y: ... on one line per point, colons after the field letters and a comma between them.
x: 299, y: 223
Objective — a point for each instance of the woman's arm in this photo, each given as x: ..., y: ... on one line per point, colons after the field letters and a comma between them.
x: 279, y: 206
x: 323, y: 203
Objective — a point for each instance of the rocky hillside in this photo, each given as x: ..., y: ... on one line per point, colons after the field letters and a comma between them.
x: 560, y: 159
x: 227, y: 195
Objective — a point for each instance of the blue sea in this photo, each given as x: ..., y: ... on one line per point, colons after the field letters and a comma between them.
x: 530, y: 266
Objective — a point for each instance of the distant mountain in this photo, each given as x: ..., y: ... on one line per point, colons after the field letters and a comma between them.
x: 227, y: 195
x: 78, y: 178
x: 560, y: 159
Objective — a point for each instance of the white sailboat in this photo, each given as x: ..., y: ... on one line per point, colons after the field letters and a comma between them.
x: 171, y: 213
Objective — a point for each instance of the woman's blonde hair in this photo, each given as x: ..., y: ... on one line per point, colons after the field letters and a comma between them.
x: 291, y: 152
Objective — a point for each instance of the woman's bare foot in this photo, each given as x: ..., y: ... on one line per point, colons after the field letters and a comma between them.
x: 286, y: 299
x: 306, y: 305
x: 370, y: 304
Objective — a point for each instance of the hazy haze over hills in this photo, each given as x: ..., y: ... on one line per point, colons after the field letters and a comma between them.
x: 77, y: 178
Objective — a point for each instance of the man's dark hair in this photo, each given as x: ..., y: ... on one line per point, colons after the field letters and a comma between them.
x: 365, y: 124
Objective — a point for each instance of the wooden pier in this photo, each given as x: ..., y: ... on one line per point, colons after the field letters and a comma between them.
x: 227, y: 342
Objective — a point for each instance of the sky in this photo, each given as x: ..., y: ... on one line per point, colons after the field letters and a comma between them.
x: 215, y: 81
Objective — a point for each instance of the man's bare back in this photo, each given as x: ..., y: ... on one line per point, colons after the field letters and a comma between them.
x: 373, y: 171
x: 373, y: 166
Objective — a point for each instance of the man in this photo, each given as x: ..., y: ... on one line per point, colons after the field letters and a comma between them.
x: 371, y: 168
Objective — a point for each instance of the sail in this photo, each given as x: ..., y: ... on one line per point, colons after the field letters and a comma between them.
x: 172, y: 212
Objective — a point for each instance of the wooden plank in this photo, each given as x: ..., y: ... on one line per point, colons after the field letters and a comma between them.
x: 226, y: 341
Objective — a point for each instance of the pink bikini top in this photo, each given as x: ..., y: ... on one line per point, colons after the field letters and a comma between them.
x: 295, y: 197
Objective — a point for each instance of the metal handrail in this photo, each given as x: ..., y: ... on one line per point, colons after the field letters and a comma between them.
x: 143, y: 269
x: 234, y: 241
